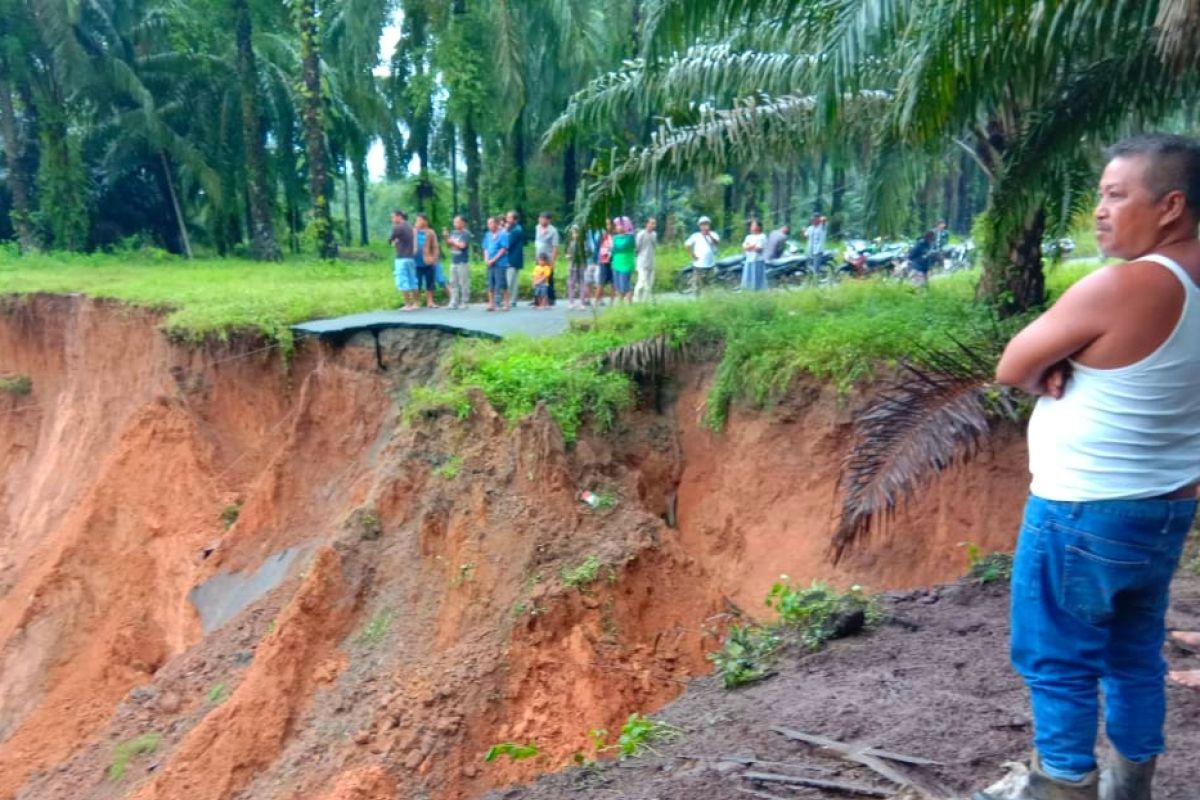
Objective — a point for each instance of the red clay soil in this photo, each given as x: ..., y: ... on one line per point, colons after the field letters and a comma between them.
x: 427, y: 618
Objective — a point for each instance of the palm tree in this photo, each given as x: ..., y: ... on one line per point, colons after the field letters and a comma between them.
x: 308, y: 25
x: 263, y: 245
x: 1027, y: 88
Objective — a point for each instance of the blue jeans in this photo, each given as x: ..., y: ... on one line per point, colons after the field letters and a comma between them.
x: 1090, y: 590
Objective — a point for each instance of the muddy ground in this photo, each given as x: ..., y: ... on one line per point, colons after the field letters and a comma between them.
x: 934, y: 683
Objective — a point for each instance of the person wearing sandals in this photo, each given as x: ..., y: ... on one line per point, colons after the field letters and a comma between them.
x: 1115, y: 364
x: 754, y: 271
x: 495, y: 255
x: 404, y: 269
x: 646, y: 245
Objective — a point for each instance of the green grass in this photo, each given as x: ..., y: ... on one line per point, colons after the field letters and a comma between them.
x: 842, y: 334
x: 375, y: 630
x: 583, y: 575
x: 125, y: 752
x: 16, y: 385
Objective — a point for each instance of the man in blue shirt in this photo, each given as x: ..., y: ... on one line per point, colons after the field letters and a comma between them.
x: 495, y: 255
x: 516, y: 252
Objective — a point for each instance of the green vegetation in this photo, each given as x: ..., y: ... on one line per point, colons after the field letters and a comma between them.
x: 637, y: 736
x: 464, y: 574
x: 218, y: 693
x: 211, y: 298
x: 145, y: 744
x: 842, y: 334
x: 16, y: 385
x: 989, y: 567
x: 583, y: 575
x: 745, y: 655
x: 514, y: 751
x: 375, y: 630
x: 450, y: 469
x: 229, y: 515
x: 820, y: 612
x: 365, y: 522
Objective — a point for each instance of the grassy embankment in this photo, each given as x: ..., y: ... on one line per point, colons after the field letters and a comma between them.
x: 765, y: 341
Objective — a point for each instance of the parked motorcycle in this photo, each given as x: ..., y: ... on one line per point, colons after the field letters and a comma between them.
x: 724, y: 271
x: 796, y: 270
x: 1058, y: 248
x: 862, y: 258
x: 959, y: 256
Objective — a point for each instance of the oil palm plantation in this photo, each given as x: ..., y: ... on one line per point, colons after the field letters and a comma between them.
x: 1029, y: 88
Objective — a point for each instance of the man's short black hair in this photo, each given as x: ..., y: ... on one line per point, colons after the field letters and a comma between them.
x: 398, y: 213
x: 423, y: 215
x: 1172, y: 164
x: 545, y: 215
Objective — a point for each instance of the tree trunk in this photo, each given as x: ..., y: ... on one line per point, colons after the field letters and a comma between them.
x: 519, y: 158
x: 360, y: 185
x: 347, y: 237
x: 314, y: 127
x: 453, y: 170
x: 471, y: 154
x: 570, y: 177
x: 263, y: 246
x: 837, y: 202
x: 183, y: 234
x: 1013, y: 281
x: 20, y: 182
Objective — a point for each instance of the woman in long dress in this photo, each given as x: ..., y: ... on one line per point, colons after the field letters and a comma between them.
x: 754, y: 270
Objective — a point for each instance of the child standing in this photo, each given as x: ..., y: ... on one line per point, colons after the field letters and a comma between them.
x: 541, y: 282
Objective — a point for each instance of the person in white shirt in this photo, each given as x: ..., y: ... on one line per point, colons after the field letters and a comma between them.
x: 645, y: 247
x: 754, y: 270
x: 815, y: 233
x: 702, y: 245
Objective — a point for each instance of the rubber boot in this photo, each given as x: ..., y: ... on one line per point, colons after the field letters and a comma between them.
x: 1041, y: 786
x: 1127, y: 780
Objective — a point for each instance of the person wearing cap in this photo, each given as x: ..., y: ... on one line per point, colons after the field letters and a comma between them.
x: 702, y: 245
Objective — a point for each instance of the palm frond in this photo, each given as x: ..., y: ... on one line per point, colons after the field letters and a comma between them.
x: 651, y: 357
x: 1178, y: 25
x: 931, y: 417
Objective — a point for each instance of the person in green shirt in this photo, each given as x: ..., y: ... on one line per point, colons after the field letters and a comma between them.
x: 624, y: 256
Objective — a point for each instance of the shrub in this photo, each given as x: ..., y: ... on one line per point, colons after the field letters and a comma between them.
x: 745, y: 655
x: 988, y: 568
x: 582, y: 575
x: 820, y: 613
x: 16, y: 385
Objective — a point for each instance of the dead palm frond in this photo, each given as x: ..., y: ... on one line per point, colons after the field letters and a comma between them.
x: 1178, y: 25
x: 932, y: 416
x: 651, y: 357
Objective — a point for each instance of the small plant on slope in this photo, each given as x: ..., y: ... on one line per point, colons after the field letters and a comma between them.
x: 514, y: 751
x: 229, y: 515
x: 639, y: 733
x: 450, y: 469
x: 143, y: 745
x: 820, y: 612
x: 374, y: 631
x: 583, y: 575
x: 746, y: 655
x: 988, y: 568
x: 17, y: 385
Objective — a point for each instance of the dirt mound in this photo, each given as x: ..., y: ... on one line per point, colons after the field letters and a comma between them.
x: 451, y: 591
x: 934, y: 683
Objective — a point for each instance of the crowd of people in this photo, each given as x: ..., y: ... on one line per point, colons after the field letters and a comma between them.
x: 616, y: 263
x: 597, y: 261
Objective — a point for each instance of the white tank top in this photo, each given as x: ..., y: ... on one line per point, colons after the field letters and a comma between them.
x: 1127, y: 433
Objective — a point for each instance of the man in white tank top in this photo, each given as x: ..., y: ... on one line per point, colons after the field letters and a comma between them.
x: 1114, y: 447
